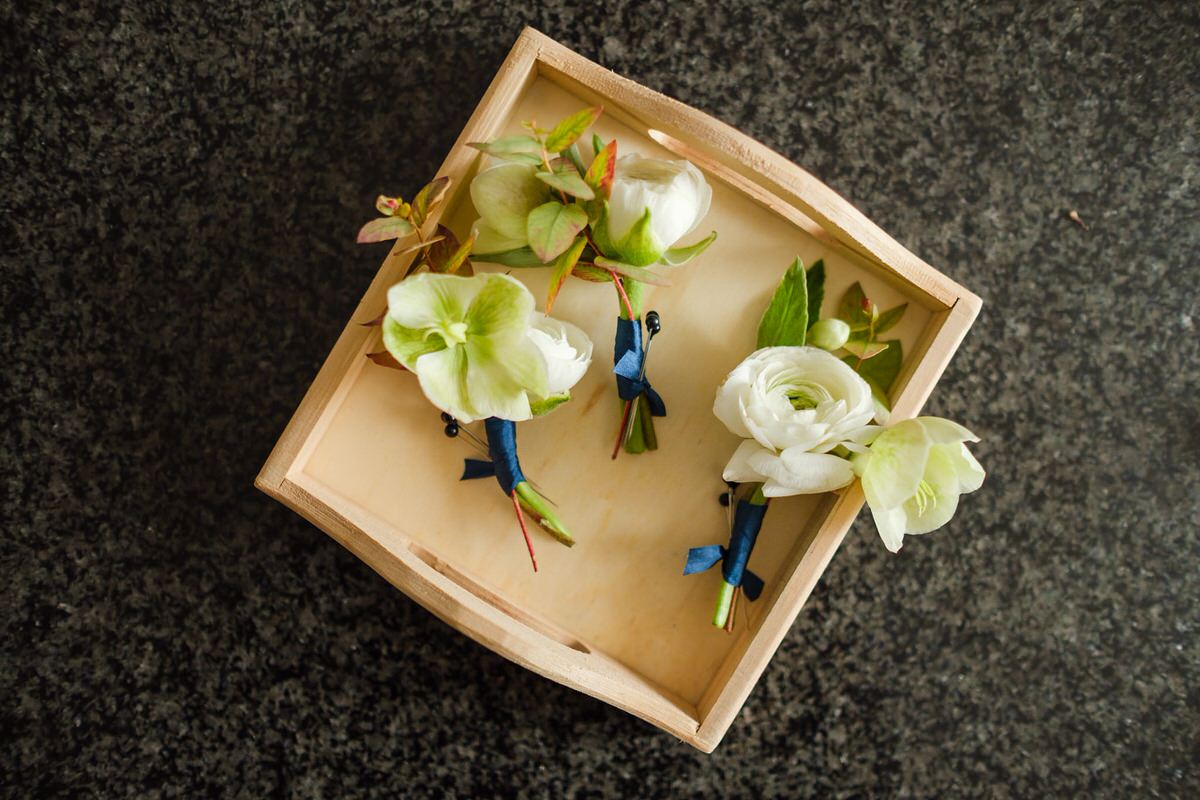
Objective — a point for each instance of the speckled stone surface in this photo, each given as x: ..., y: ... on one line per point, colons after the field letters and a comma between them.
x: 181, y: 187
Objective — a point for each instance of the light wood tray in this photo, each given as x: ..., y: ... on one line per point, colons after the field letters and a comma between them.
x: 364, y: 457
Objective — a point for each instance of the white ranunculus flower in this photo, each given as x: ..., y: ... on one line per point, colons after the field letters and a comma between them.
x: 566, y: 349
x: 794, y: 405
x: 654, y: 203
x: 913, y: 474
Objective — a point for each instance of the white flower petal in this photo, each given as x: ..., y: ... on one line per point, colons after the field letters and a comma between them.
x: 442, y: 378
x: 895, y: 464
x: 944, y: 431
x: 811, y: 473
x: 431, y: 301
x: 566, y: 349
x: 970, y: 473
x: 738, y: 469
x: 890, y: 523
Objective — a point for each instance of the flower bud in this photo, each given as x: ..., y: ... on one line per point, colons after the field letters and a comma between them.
x: 829, y: 334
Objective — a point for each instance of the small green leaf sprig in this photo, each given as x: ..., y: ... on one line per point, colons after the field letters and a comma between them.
x: 401, y: 220
x: 794, y: 318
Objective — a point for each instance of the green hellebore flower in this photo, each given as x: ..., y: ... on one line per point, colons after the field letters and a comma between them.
x: 504, y: 195
x: 466, y: 340
x: 913, y: 474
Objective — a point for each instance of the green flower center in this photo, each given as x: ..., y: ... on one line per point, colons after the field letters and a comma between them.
x: 804, y: 395
x: 454, y: 333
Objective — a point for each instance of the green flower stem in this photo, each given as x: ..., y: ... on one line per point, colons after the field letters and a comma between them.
x: 641, y: 435
x: 725, y: 594
x: 540, y: 507
x: 724, y: 599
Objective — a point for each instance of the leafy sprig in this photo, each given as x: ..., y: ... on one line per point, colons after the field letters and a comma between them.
x: 401, y: 220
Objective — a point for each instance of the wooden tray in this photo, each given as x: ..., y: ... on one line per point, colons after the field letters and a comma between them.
x: 364, y: 457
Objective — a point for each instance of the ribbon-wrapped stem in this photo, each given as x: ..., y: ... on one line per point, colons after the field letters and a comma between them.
x: 639, y: 400
x: 736, y: 579
x: 506, y: 468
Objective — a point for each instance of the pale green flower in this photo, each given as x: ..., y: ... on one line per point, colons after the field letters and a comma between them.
x: 504, y: 195
x: 467, y: 341
x: 913, y: 474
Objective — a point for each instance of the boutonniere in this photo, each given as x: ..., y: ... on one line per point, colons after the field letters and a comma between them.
x: 598, y: 217
x: 479, y: 350
x: 805, y: 403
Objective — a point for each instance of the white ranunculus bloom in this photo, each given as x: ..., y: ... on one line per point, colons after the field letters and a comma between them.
x: 794, y: 405
x: 654, y: 203
x: 913, y: 474
x: 566, y: 349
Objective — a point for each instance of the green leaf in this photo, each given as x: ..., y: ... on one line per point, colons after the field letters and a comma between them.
x: 507, y: 146
x: 880, y: 371
x: 785, y: 321
x: 597, y: 144
x: 589, y: 273
x: 599, y: 175
x: 815, y: 281
x: 852, y: 308
x: 568, y: 182
x: 563, y: 266
x: 521, y: 257
x: 630, y: 271
x: 863, y: 349
x: 428, y: 198
x: 677, y: 256
x: 567, y: 132
x: 576, y: 158
x: 552, y: 228
x: 384, y: 228
x: 888, y: 319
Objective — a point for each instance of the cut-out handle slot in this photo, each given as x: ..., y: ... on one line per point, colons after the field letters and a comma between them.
x: 499, y: 603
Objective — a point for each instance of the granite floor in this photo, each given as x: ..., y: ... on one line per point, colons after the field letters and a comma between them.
x: 182, y: 184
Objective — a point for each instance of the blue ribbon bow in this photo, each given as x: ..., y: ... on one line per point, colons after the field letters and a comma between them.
x: 747, y: 522
x: 502, y: 445
x: 628, y: 356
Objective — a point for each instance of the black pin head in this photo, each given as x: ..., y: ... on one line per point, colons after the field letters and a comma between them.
x: 451, y: 429
x: 653, y: 322
x: 446, y: 418
x: 724, y: 497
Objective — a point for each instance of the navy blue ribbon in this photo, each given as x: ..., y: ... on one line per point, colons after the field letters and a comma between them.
x: 747, y: 522
x: 628, y: 356
x: 502, y: 445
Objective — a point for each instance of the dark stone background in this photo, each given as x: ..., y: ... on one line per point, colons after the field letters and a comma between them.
x: 181, y: 188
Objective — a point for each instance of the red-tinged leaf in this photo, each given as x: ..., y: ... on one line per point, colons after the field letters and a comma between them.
x: 374, y: 323
x: 568, y: 182
x: 593, y: 274
x: 383, y: 229
x: 629, y: 271
x: 567, y: 132
x: 600, y: 174
x: 428, y: 198
x: 552, y: 228
x: 448, y: 255
x: 563, y: 266
x: 385, y: 359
